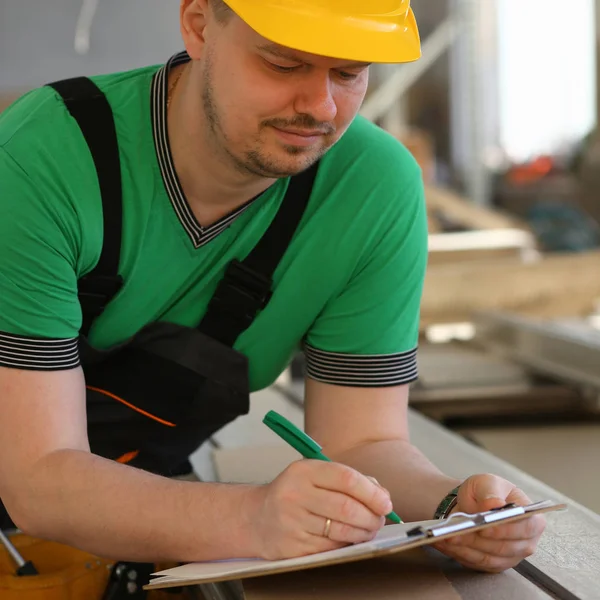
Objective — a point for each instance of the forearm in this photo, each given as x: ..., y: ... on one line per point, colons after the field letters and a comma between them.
x: 415, y: 484
x: 123, y: 513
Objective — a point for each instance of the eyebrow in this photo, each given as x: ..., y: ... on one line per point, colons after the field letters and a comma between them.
x: 280, y: 52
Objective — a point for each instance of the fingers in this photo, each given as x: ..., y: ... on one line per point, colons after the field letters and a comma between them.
x: 531, y: 528
x: 342, y: 532
x: 345, y: 480
x: 478, y: 560
x: 343, y: 508
x: 294, y: 508
x: 519, y: 497
x: 318, y: 543
x: 521, y: 548
x: 497, y: 548
x: 374, y: 481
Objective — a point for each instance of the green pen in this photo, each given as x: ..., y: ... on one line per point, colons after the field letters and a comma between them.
x: 303, y: 443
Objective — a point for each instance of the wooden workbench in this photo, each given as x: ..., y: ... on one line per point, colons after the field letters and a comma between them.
x: 566, y: 565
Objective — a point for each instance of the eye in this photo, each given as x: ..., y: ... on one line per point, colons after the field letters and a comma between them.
x: 281, y: 68
x: 347, y: 76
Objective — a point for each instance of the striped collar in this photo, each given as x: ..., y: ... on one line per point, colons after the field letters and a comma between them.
x: 198, y: 234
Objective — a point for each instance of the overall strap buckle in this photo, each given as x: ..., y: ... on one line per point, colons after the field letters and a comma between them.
x: 239, y: 297
x: 242, y: 287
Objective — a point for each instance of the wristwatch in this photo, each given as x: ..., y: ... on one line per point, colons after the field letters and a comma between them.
x: 447, y: 504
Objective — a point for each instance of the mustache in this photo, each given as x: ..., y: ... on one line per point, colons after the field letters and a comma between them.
x: 302, y: 122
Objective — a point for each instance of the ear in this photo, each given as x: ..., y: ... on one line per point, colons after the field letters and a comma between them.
x: 193, y: 19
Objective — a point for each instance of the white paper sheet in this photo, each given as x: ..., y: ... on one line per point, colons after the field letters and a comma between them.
x: 391, y: 534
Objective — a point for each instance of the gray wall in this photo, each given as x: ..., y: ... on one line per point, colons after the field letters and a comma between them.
x: 37, y: 37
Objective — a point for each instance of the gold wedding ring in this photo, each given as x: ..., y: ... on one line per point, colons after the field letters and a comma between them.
x: 327, y: 528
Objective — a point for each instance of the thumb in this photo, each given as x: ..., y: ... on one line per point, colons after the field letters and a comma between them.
x: 483, y: 492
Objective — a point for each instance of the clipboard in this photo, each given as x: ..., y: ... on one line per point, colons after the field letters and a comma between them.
x: 392, y: 539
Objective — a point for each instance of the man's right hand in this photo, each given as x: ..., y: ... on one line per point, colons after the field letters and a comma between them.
x: 289, y: 515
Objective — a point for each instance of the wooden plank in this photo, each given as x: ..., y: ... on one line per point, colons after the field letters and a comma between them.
x: 469, y: 215
x: 528, y: 448
x: 444, y: 366
x: 561, y: 285
x: 256, y: 465
x: 456, y: 380
x: 497, y: 402
x: 509, y: 585
x: 406, y: 578
x: 414, y: 575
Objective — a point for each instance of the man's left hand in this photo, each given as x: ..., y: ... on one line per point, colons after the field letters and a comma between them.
x: 499, y: 548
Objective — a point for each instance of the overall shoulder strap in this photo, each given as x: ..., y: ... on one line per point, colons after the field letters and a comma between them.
x: 90, y: 108
x: 246, y: 286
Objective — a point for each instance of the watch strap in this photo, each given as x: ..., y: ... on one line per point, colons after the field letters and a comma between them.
x: 447, y: 504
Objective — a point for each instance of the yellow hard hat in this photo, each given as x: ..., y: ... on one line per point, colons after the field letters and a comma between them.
x: 378, y: 31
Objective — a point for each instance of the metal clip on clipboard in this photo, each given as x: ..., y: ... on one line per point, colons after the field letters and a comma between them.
x: 459, y: 521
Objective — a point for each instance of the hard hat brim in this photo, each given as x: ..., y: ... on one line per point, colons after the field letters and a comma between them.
x: 333, y: 35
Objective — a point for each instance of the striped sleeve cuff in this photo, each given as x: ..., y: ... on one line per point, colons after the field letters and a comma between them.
x: 38, y: 354
x: 353, y: 370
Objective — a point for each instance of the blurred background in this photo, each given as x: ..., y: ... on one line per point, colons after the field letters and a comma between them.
x: 501, y: 113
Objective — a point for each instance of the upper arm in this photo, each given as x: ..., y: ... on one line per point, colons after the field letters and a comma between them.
x: 40, y: 413
x: 367, y: 335
x: 42, y: 391
x: 362, y: 349
x: 342, y: 417
x: 39, y: 254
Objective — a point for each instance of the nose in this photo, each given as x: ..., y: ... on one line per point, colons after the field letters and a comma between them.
x: 315, y: 97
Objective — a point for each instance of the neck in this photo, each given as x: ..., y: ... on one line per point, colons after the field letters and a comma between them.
x: 211, y: 183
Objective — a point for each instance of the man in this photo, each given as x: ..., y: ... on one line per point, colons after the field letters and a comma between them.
x: 207, y: 146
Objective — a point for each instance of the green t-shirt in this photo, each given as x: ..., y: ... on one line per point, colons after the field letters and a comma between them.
x: 348, y: 288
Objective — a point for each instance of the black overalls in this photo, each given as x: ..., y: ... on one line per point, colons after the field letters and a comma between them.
x: 156, y: 398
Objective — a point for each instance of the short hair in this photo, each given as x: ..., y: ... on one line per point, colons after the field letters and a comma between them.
x: 222, y: 11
